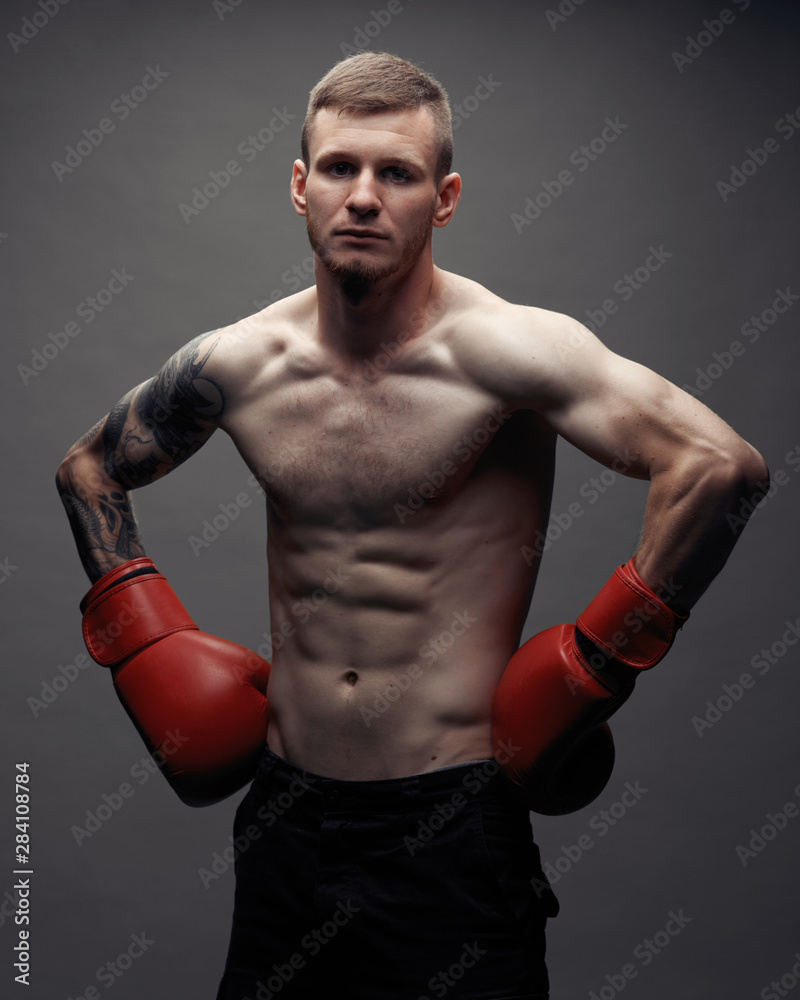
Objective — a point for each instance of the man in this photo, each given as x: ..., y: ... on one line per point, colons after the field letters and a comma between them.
x: 402, y: 422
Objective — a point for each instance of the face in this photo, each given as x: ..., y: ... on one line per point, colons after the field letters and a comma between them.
x: 368, y: 195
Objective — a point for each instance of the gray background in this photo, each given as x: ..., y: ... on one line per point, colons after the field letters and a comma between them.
x: 656, y: 185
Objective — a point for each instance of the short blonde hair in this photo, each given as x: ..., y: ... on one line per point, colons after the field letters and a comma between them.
x: 372, y: 82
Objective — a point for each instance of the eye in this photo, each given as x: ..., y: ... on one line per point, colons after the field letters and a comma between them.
x: 397, y: 173
x: 339, y: 169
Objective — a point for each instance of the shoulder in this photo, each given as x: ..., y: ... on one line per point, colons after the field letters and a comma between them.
x: 479, y: 313
x: 524, y: 354
x: 232, y: 354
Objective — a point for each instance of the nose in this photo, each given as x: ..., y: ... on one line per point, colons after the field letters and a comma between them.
x: 364, y: 197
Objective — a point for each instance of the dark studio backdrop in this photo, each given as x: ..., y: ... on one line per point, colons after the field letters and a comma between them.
x: 633, y: 165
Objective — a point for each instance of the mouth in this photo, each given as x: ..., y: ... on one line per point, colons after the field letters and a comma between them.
x: 360, y: 234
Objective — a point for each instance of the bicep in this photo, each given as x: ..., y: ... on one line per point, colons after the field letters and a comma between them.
x: 626, y: 416
x: 162, y: 422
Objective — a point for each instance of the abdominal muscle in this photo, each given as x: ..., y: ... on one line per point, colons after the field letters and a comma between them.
x: 388, y: 644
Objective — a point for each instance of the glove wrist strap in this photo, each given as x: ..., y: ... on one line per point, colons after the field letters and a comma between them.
x: 629, y: 622
x: 129, y: 608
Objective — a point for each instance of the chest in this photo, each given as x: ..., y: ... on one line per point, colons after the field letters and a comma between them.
x: 333, y: 450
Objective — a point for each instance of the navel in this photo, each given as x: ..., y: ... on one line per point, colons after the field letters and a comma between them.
x: 352, y: 678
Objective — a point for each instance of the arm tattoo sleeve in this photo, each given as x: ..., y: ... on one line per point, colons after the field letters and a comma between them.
x: 149, y: 432
x: 104, y: 526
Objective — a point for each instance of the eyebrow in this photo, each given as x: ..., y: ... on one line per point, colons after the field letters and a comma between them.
x: 348, y: 155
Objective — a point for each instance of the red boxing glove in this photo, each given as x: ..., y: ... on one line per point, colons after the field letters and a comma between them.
x: 550, y: 708
x: 199, y: 702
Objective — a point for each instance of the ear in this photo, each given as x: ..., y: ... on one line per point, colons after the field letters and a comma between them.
x: 298, y: 188
x: 447, y: 199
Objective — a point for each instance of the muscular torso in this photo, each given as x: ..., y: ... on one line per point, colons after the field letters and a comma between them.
x: 399, y: 495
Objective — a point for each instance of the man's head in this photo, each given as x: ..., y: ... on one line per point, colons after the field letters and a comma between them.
x: 374, y: 179
x: 373, y: 82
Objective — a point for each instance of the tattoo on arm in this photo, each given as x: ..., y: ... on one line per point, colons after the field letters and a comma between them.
x: 90, y: 435
x: 151, y: 431
x: 105, y: 529
x: 155, y: 429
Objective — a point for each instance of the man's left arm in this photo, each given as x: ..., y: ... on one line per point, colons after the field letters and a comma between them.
x: 700, y: 470
x: 563, y: 684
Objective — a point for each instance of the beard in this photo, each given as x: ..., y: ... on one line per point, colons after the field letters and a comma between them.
x: 360, y: 273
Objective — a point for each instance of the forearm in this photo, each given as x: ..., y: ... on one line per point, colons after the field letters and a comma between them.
x: 687, y: 535
x: 100, y: 514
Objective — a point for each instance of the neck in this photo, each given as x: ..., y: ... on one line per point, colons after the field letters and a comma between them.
x: 358, y: 320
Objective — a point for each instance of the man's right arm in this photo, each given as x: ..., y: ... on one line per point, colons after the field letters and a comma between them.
x: 179, y: 685
x: 153, y: 429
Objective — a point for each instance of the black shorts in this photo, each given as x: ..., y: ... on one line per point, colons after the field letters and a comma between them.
x: 403, y: 889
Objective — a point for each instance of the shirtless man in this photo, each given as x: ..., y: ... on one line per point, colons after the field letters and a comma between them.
x: 402, y: 422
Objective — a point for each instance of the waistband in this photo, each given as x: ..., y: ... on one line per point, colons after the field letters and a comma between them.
x: 480, y: 780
